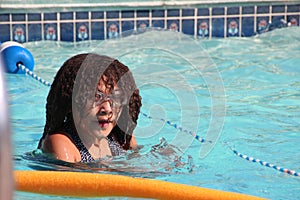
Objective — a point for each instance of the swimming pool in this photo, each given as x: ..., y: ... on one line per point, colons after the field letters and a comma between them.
x: 254, y: 86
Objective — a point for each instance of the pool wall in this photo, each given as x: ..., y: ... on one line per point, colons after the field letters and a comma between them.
x: 99, y: 21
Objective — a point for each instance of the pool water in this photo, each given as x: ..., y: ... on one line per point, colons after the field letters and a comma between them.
x: 235, y: 92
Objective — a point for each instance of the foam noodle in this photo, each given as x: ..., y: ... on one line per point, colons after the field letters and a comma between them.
x: 82, y: 184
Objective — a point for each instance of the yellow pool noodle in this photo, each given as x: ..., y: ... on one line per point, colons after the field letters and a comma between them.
x: 83, y: 184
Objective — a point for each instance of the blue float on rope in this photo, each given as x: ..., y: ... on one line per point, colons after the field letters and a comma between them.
x: 12, y: 54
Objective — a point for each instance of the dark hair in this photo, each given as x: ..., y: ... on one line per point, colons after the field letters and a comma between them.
x: 90, y: 68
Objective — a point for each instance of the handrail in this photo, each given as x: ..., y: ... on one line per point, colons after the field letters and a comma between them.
x: 6, y: 177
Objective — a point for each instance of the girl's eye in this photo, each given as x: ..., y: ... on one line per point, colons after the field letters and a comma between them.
x: 97, y: 97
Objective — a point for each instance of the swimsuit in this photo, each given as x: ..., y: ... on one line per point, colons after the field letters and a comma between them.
x: 86, y: 157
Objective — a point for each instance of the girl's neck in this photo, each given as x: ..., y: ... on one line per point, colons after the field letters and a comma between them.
x: 98, y: 147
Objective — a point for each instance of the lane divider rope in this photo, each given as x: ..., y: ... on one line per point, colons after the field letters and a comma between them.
x: 267, y: 164
x: 197, y: 137
x: 33, y: 75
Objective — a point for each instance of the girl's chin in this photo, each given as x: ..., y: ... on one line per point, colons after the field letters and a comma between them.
x: 101, y: 135
x: 105, y: 132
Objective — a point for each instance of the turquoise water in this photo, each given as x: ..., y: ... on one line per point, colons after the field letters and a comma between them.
x: 235, y: 92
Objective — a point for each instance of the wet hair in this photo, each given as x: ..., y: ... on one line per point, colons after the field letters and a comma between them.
x: 90, y: 68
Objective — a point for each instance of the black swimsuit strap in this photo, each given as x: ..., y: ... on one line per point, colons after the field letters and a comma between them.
x: 115, y: 148
x: 84, y: 153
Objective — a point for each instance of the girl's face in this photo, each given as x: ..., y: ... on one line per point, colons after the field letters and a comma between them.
x: 102, y: 117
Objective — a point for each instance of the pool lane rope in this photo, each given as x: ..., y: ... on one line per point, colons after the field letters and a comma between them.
x: 33, y: 75
x: 267, y: 164
x: 181, y: 129
x: 84, y: 184
x: 193, y: 134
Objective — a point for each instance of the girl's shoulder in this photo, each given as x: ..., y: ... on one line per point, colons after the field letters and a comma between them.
x: 61, y: 146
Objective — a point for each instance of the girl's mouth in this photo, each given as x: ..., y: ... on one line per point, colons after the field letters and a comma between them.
x: 104, y: 123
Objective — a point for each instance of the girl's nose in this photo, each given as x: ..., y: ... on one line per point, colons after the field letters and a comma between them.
x: 106, y: 108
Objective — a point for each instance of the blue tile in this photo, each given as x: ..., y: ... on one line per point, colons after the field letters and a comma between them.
x: 218, y: 11
x: 263, y: 9
x: 127, y: 25
x: 233, y: 29
x: 18, y: 17
x: 293, y: 20
x: 142, y: 13
x: 262, y: 24
x: 66, y: 15
x: 247, y: 26
x: 127, y: 14
x: 97, y: 30
x: 127, y: 28
x: 112, y: 14
x: 188, y: 12
x: 173, y: 13
x: 5, y: 32
x: 50, y: 31
x: 158, y: 13
x: 173, y: 25
x: 4, y: 17
x: 142, y: 23
x: 34, y: 17
x: 66, y: 33
x: 19, y: 33
x: 278, y: 9
x: 142, y: 26
x: 277, y: 22
x: 82, y: 15
x: 233, y: 10
x: 293, y: 8
x: 218, y: 27
x: 113, y: 30
x: 97, y: 15
x: 82, y: 31
x: 34, y: 32
x: 203, y: 12
x: 158, y: 23
x: 50, y: 16
x: 248, y: 10
x: 203, y: 28
x: 188, y: 26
